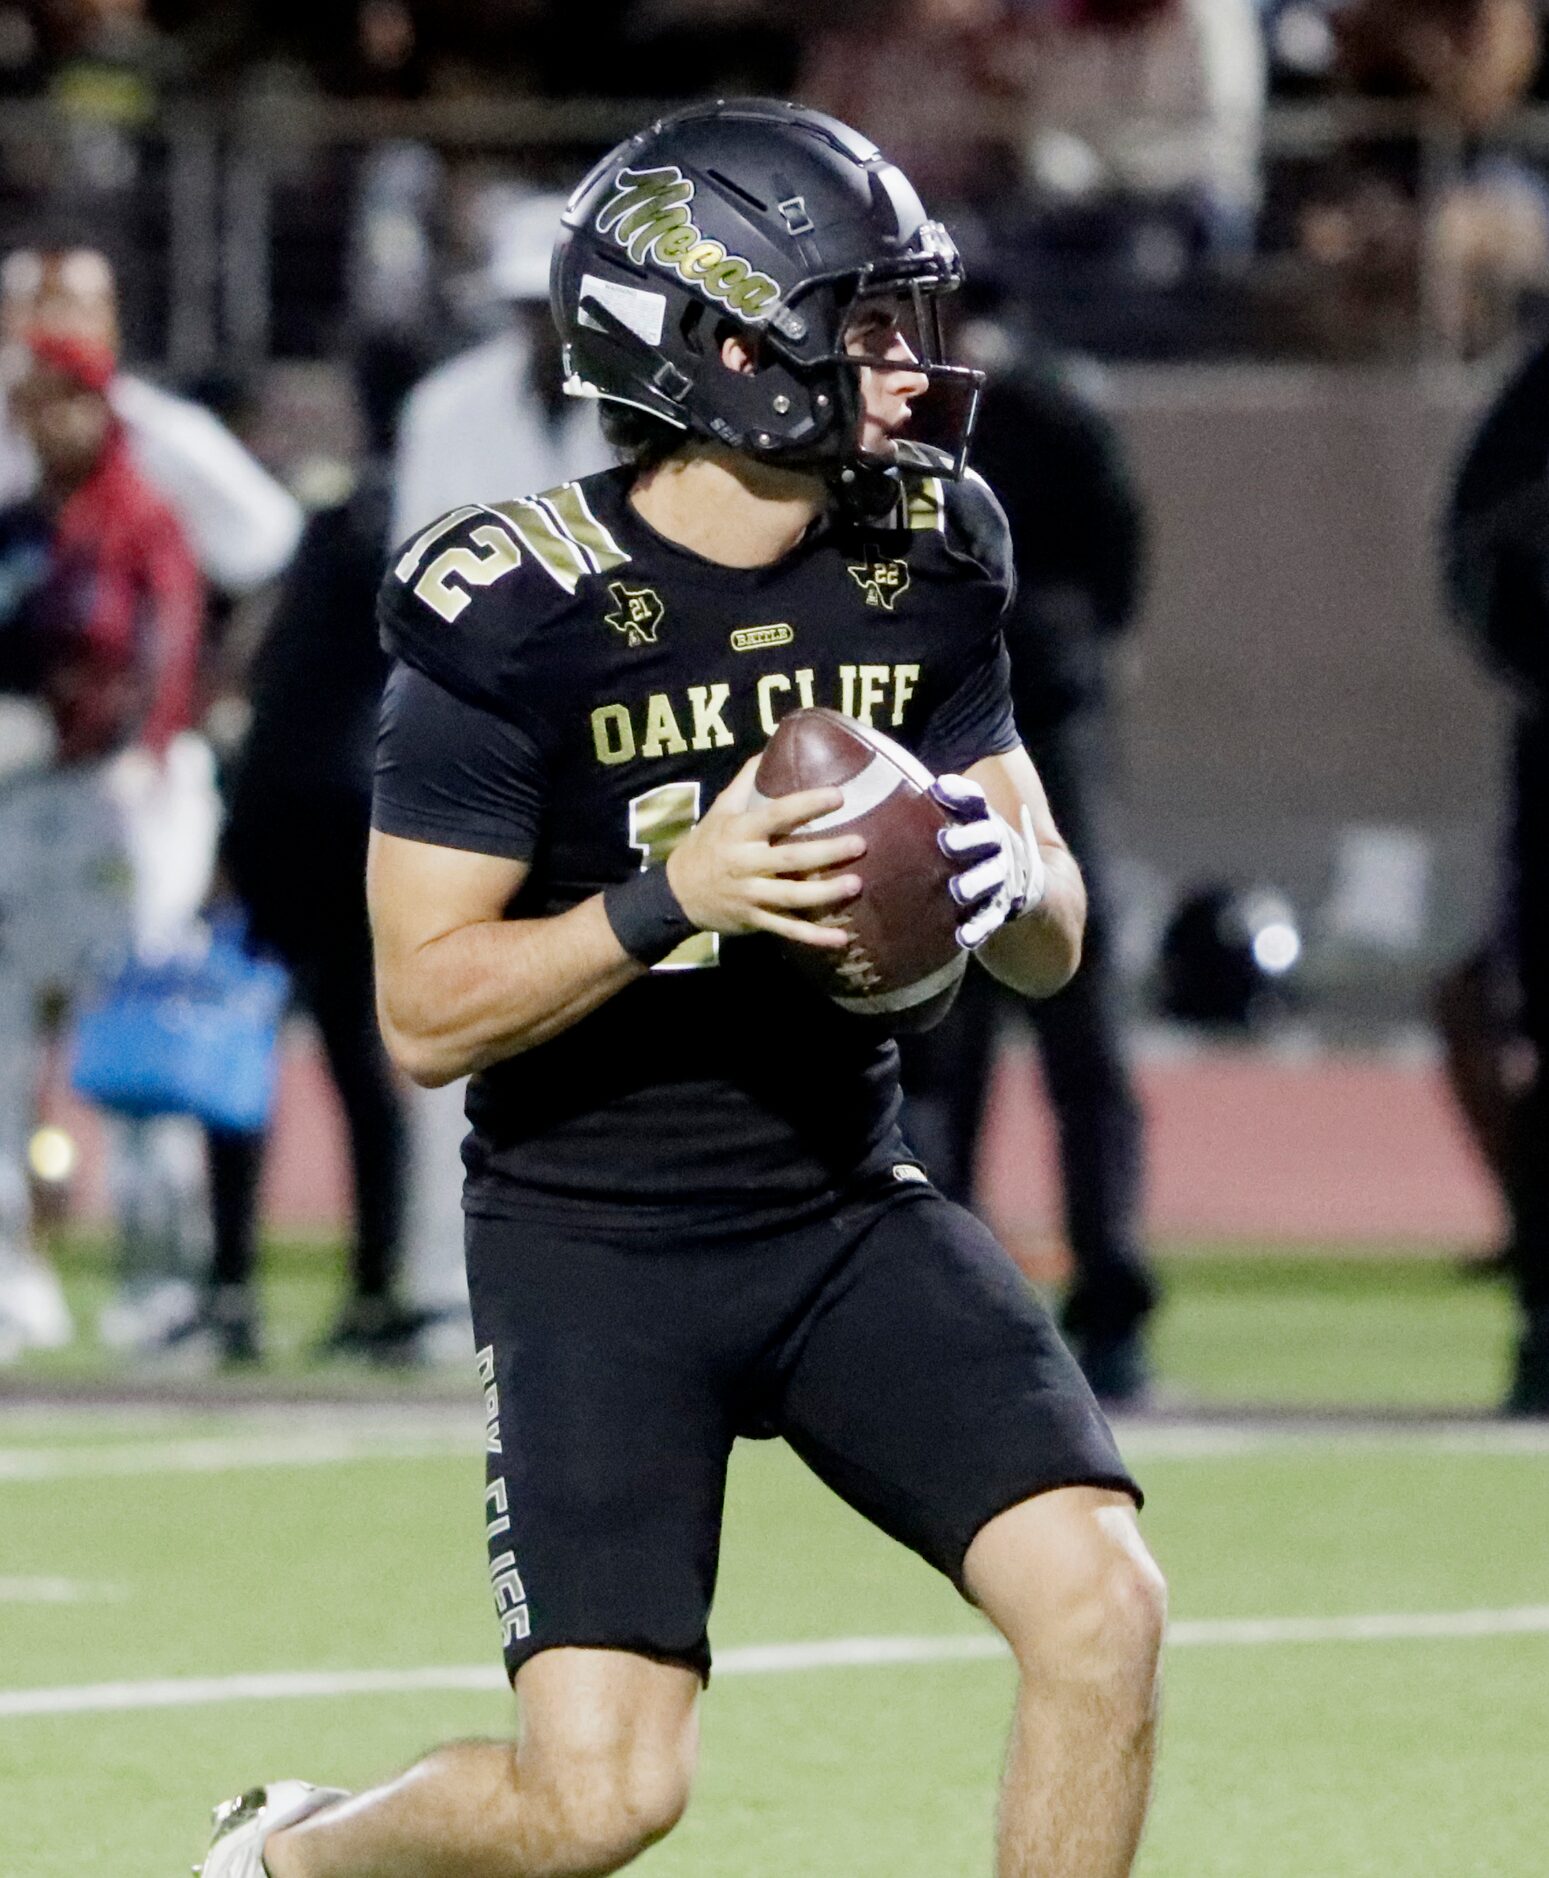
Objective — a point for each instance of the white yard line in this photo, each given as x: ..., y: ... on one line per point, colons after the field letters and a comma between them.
x: 195, y: 1692
x: 1226, y: 1440
x: 1376, y: 1627
x: 309, y: 1437
x: 760, y: 1659
x: 307, y: 1440
x: 56, y: 1591
x: 225, y: 1454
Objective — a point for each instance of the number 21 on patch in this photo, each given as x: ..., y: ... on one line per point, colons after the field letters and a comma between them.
x: 658, y: 821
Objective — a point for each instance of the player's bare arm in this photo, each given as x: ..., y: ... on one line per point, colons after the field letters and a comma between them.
x: 458, y: 984
x: 461, y: 986
x: 1039, y: 952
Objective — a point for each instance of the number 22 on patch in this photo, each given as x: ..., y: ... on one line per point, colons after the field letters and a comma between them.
x: 658, y: 821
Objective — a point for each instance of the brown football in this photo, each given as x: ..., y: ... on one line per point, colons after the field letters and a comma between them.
x: 903, y: 960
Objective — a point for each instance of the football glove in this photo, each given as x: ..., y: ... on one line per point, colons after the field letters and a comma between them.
x: 1001, y: 872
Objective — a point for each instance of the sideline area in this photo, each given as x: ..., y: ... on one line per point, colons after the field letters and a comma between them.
x: 1280, y: 1143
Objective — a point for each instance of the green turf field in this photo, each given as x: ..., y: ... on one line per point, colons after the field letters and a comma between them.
x: 148, y: 1555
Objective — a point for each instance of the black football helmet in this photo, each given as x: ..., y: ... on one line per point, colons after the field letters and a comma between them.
x: 780, y: 220
x: 1228, y: 958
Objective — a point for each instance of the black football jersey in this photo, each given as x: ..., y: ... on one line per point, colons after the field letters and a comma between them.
x: 574, y: 690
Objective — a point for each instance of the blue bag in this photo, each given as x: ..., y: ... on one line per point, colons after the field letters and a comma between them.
x: 195, y: 1035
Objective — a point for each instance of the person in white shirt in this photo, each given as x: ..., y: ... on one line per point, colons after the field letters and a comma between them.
x: 241, y: 523
x: 492, y: 419
x: 1150, y: 100
x: 496, y: 416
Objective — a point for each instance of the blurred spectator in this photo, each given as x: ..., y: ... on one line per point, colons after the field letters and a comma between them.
x: 1432, y: 224
x: 1497, y: 550
x: 719, y: 48
x: 492, y: 423
x: 386, y: 58
x: 294, y: 853
x: 1476, y: 1006
x: 917, y: 77
x: 240, y: 522
x: 1299, y: 37
x: 242, y: 526
x: 21, y: 53
x: 1472, y: 60
x: 393, y: 270
x: 495, y: 421
x: 1059, y: 468
x: 100, y: 615
x: 112, y: 63
x: 1144, y: 118
x: 113, y: 72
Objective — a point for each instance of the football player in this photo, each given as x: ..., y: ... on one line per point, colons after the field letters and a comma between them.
x: 690, y: 1213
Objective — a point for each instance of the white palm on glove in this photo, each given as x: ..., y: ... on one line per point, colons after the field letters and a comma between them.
x: 1001, y: 873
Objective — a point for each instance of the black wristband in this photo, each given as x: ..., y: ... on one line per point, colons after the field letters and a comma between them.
x: 645, y: 915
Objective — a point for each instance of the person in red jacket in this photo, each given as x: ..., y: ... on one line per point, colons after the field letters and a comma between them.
x: 116, y: 625
x: 101, y: 611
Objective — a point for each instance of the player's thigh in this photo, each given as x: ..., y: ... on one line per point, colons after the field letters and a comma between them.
x: 607, y: 1442
x: 933, y: 1392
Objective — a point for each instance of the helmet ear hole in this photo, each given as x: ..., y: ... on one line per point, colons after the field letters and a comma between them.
x: 749, y: 342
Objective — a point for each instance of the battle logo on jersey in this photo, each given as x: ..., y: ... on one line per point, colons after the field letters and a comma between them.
x: 637, y: 612
x: 881, y: 581
x: 762, y: 638
x: 647, y: 214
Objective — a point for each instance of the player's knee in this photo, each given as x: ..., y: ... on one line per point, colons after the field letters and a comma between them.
x: 608, y: 1799
x: 1131, y: 1620
x: 618, y: 1808
x: 1105, y: 1626
x: 650, y: 1793
x: 1080, y: 1599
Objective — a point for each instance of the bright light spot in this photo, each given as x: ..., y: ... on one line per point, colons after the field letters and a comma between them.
x: 1276, y: 947
x: 1304, y: 41
x: 52, y: 1155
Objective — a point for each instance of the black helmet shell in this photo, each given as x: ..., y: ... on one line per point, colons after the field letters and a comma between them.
x: 765, y: 214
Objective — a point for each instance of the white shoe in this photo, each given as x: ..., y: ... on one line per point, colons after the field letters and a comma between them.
x: 142, y: 1318
x: 33, y: 1312
x: 242, y: 1825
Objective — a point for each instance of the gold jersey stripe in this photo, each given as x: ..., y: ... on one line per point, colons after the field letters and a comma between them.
x: 422, y: 544
x: 925, y: 506
x: 568, y: 506
x: 554, y: 551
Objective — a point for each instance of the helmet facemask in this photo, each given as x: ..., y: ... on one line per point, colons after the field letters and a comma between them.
x: 941, y: 417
